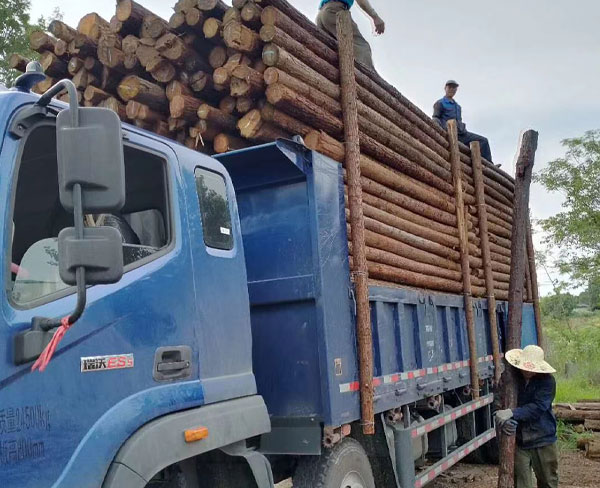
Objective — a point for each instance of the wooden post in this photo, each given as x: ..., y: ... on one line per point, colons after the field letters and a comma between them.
x: 515, y: 293
x: 464, y: 252
x: 485, y: 254
x: 534, y: 284
x: 360, y: 272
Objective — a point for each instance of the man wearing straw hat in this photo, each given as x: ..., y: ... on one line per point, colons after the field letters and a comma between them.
x: 533, y: 420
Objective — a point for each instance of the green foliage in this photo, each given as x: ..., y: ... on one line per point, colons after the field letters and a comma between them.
x: 559, y: 306
x: 15, y: 27
x: 575, y: 231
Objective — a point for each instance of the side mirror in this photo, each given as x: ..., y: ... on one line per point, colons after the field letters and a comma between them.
x: 91, y: 170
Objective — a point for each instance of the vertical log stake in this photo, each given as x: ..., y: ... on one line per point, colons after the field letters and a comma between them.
x: 357, y: 224
x: 515, y: 293
x: 464, y: 252
x: 485, y: 255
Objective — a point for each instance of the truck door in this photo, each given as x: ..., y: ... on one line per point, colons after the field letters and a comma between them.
x: 118, y: 367
x: 220, y: 283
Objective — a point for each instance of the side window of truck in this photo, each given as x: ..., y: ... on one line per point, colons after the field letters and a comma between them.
x: 214, y: 209
x: 38, y: 217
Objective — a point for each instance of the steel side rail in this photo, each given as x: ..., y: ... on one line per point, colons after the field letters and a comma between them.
x: 450, y: 460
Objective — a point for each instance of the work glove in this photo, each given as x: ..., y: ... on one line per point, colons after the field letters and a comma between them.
x: 509, y: 427
x: 503, y: 415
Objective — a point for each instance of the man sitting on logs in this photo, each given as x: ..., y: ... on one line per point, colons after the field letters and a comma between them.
x: 532, y: 421
x: 446, y: 109
x: 326, y: 20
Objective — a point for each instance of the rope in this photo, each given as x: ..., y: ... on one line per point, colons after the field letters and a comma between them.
x: 44, y: 359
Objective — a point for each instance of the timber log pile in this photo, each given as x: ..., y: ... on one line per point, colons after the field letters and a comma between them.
x: 218, y: 78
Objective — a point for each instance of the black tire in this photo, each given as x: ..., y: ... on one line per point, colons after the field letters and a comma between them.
x: 171, y: 477
x: 345, y: 465
x: 222, y: 471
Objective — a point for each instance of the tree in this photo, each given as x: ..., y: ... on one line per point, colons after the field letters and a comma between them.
x: 575, y: 231
x: 15, y: 27
x: 559, y: 306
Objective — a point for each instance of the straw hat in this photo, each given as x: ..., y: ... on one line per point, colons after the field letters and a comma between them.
x: 529, y: 359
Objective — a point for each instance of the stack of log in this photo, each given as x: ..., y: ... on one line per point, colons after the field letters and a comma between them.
x: 218, y: 78
x: 584, y: 412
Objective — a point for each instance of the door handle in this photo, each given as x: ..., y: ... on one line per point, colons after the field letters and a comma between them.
x: 172, y: 363
x: 173, y: 366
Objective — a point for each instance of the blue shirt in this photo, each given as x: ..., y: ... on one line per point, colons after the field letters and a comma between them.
x: 537, y: 424
x: 446, y: 109
x: 347, y: 2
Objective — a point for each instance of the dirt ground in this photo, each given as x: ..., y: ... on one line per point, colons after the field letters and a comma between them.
x: 575, y: 472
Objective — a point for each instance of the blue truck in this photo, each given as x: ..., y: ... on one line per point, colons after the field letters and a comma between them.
x: 216, y: 347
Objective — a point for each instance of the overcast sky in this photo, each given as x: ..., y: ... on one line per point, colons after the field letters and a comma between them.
x: 521, y: 64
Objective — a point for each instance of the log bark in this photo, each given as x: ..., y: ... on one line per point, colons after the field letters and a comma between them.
x: 194, y: 18
x: 83, y: 46
x: 276, y: 36
x: 116, y: 106
x: 217, y: 57
x: 252, y: 126
x: 524, y: 169
x: 74, y: 65
x: 301, y: 108
x: 184, y: 107
x: 60, y: 30
x: 177, y: 22
x: 153, y: 27
x: 131, y: 14
x: 486, y: 257
x: 270, y: 114
x: 139, y: 111
x: 213, y: 29
x: 232, y: 14
x: 111, y: 57
x: 161, y: 69
x: 53, y: 65
x: 212, y: 114
x: 360, y: 273
x: 226, y: 142
x: 272, y: 16
x: 250, y: 14
x: 18, y: 62
x: 576, y: 415
x: 254, y: 79
x: 215, y: 6
x: 242, y: 38
x: 92, y: 26
x: 464, y: 253
x: 143, y: 91
x: 177, y: 88
x: 61, y: 48
x: 83, y: 78
x: 40, y: 41
x: 244, y: 104
x: 95, y: 95
x: 93, y: 66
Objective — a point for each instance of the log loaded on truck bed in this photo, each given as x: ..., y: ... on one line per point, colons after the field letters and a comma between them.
x: 233, y: 332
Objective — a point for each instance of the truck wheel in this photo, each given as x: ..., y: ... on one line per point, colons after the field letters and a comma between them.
x: 344, y: 466
x: 234, y: 473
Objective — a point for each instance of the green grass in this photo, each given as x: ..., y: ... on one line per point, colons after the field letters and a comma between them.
x: 574, y: 389
x: 575, y: 340
x: 568, y: 437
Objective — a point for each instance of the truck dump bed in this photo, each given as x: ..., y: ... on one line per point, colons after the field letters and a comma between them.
x: 292, y: 212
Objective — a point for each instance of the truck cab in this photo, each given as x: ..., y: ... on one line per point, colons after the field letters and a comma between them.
x: 162, y: 354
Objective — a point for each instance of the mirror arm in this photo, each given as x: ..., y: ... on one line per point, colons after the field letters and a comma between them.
x: 73, y: 104
x: 80, y: 272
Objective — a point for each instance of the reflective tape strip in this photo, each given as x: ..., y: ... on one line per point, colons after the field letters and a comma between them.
x: 409, y: 375
x: 447, y: 418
